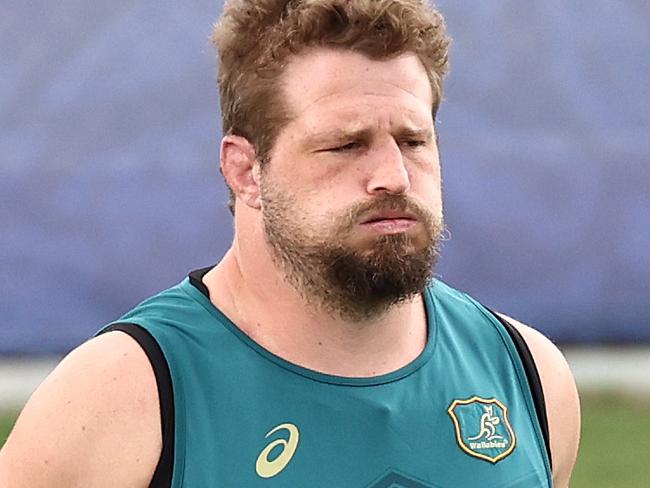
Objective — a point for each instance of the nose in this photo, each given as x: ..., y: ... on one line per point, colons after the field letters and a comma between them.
x: 387, y: 170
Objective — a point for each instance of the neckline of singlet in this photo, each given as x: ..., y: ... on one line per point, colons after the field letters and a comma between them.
x: 194, y: 286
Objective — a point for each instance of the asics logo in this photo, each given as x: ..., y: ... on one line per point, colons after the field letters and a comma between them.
x: 267, y: 468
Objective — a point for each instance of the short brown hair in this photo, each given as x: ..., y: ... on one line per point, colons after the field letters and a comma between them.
x: 256, y: 38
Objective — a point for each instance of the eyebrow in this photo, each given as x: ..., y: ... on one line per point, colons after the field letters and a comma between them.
x: 337, y: 134
x: 413, y: 133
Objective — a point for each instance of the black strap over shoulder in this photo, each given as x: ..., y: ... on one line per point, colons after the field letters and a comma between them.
x: 532, y: 374
x: 196, y: 279
x: 162, y: 477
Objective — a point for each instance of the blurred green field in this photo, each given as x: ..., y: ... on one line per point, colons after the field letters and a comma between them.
x: 615, y: 447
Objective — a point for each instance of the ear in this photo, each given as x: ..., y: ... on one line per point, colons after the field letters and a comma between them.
x: 240, y: 168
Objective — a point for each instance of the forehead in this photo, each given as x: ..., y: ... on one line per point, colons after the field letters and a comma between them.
x: 324, y: 85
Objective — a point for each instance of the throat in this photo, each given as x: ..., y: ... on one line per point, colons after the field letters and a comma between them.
x: 356, y: 350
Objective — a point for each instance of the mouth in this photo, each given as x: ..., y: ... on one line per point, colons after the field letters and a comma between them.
x: 389, y: 221
x: 389, y: 215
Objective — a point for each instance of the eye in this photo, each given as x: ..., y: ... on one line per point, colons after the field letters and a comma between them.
x: 412, y: 143
x: 350, y: 146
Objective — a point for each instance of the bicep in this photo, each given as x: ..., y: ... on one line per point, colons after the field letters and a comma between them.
x: 94, y: 421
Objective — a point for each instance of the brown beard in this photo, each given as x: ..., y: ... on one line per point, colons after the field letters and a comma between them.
x: 356, y: 284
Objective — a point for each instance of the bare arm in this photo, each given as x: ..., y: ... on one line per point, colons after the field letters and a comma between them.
x: 562, y: 402
x: 93, y: 422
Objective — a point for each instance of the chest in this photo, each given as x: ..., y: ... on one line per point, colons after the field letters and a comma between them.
x: 429, y: 430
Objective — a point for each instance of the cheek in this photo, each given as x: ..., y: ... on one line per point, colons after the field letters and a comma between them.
x: 426, y: 181
x: 426, y: 187
x: 334, y: 187
x: 312, y: 208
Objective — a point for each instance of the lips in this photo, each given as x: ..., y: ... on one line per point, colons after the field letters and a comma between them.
x: 388, y: 215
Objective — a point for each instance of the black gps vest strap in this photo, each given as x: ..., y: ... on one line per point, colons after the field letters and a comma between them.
x: 532, y: 375
x: 196, y: 280
x: 162, y: 477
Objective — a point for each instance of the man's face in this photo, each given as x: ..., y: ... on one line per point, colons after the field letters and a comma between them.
x: 351, y: 195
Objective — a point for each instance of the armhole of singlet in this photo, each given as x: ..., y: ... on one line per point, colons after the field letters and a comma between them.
x: 162, y: 477
x: 534, y: 381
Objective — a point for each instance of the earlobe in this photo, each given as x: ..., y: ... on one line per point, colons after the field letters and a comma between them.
x: 239, y: 167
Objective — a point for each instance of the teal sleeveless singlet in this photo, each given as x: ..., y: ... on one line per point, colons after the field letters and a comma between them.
x: 459, y: 415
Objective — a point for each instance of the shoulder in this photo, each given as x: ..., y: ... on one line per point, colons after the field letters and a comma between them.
x: 94, y: 421
x: 562, y: 402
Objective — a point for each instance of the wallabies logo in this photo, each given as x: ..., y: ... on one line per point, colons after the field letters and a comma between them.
x: 482, y: 428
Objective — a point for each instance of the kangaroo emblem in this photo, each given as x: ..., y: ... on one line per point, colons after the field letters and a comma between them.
x: 489, y: 421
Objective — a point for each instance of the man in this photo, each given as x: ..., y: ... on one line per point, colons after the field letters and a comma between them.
x: 319, y: 352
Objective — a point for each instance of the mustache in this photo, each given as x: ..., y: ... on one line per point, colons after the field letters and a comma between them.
x: 386, y: 202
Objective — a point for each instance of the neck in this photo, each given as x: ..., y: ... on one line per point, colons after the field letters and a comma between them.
x: 256, y: 297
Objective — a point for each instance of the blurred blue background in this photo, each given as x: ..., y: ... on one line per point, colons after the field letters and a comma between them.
x: 110, y: 190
